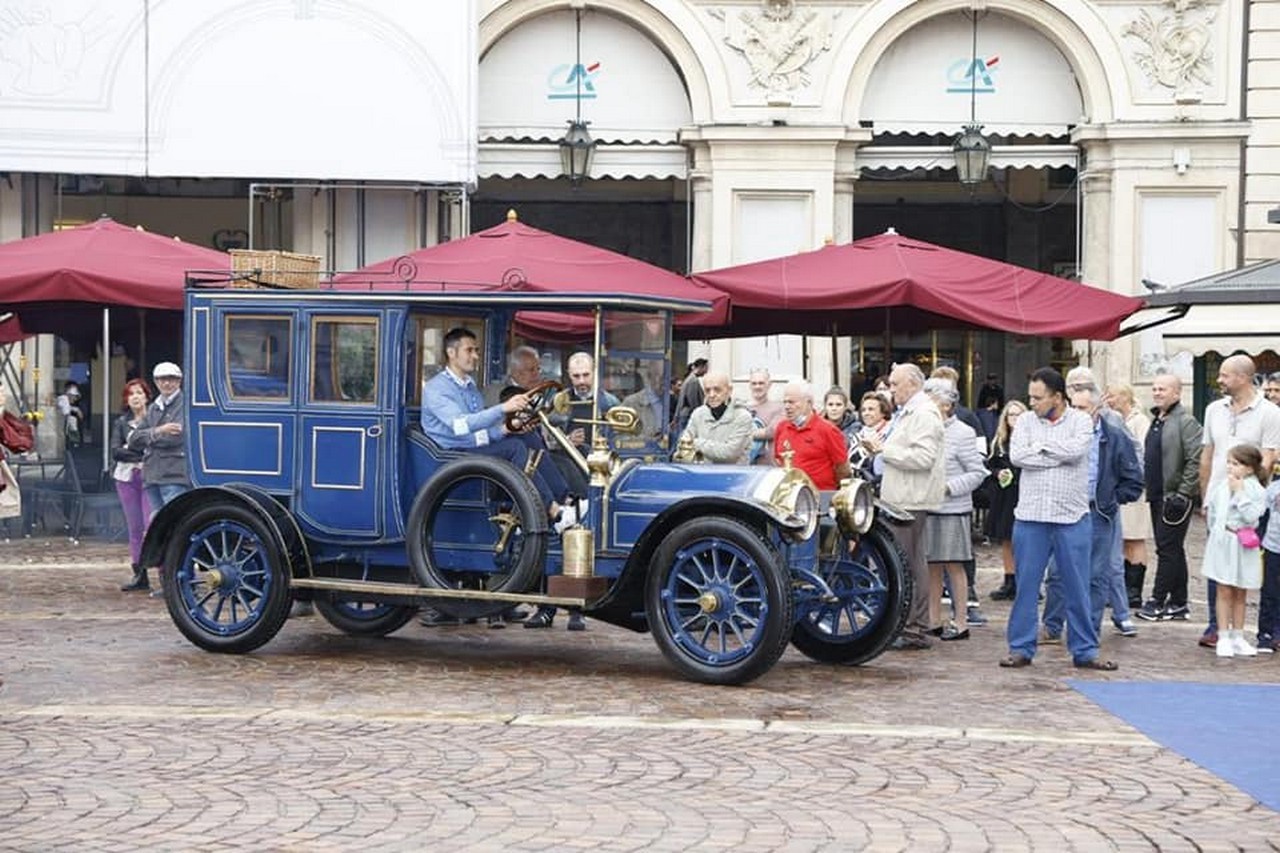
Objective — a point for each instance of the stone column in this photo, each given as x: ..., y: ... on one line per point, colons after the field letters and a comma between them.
x: 1095, y: 255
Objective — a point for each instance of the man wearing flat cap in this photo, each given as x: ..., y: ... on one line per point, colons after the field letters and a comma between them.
x: 692, y: 394
x: 161, y: 440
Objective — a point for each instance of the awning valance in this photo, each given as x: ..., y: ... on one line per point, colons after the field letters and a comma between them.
x: 542, y: 160
x: 940, y: 157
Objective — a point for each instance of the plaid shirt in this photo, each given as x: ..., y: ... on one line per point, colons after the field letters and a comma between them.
x: 1054, y: 458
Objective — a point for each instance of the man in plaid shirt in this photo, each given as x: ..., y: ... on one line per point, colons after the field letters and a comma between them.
x: 1051, y: 445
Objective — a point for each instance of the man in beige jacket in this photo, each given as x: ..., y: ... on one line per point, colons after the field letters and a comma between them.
x: 915, y: 479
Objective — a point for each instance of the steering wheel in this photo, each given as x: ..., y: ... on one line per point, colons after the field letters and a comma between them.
x: 540, y: 397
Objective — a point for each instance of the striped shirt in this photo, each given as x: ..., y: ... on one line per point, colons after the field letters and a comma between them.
x: 1054, y: 458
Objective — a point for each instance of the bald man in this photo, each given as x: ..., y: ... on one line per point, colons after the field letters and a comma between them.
x: 1171, y: 466
x: 1241, y: 415
x: 720, y: 428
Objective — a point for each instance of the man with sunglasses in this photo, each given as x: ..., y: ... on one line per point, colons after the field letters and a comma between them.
x: 1242, y: 414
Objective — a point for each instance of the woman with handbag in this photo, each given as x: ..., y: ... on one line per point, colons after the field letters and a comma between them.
x: 1231, y: 549
x: 128, y: 476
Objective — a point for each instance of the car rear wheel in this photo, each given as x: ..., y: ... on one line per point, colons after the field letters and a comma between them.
x: 478, y: 523
x: 365, y: 618
x: 719, y: 601
x: 225, y: 580
x: 874, y: 589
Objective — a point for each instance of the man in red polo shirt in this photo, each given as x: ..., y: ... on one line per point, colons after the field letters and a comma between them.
x: 819, y: 447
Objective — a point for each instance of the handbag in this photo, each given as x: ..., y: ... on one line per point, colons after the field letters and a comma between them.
x: 16, y: 434
x: 1248, y: 537
x: 1175, y: 509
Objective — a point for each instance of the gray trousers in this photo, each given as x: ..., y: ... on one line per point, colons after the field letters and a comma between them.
x: 911, y: 537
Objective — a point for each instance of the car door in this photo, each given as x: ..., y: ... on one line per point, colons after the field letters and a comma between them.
x: 344, y: 428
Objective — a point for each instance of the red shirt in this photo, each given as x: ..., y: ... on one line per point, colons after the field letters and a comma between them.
x: 818, y: 446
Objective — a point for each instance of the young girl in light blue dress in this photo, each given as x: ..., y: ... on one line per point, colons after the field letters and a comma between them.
x: 1235, y: 503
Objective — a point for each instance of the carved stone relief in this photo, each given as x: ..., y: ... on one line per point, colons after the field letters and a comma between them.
x: 1175, y: 51
x: 779, y: 41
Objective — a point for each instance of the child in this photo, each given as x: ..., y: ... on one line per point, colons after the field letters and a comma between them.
x: 1234, y: 503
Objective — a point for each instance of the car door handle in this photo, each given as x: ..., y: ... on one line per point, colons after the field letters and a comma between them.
x: 374, y: 431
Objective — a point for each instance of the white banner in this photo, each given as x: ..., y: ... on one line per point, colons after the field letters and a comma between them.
x: 1019, y: 84
x: 359, y: 90
x: 534, y: 78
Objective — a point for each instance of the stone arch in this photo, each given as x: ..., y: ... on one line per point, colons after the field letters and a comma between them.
x: 667, y: 34
x: 1070, y: 25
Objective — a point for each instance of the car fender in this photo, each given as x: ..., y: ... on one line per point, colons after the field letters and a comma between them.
x: 273, y: 514
x: 623, y: 604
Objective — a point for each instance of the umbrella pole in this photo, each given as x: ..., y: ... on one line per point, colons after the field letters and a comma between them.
x: 835, y: 358
x: 106, y: 386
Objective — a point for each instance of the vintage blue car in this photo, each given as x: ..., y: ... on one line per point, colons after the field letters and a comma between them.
x: 313, y: 480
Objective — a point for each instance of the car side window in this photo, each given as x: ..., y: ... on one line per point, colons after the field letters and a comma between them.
x: 424, y: 355
x: 344, y: 359
x: 259, y: 357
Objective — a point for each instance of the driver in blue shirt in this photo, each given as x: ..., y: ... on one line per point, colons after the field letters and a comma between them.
x: 455, y: 416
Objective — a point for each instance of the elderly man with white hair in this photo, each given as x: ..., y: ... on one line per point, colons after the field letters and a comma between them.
x: 720, y: 428
x: 915, y: 479
x: 817, y: 447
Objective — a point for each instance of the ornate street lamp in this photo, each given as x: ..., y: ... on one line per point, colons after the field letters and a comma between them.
x: 576, y: 150
x: 971, y: 149
x: 973, y: 153
x: 577, y: 146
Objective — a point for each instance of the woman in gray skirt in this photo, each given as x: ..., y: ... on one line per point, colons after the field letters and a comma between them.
x: 948, y: 529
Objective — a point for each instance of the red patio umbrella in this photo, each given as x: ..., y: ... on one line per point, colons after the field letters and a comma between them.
x: 891, y: 281
x: 66, y: 282
x: 101, y: 263
x: 516, y: 257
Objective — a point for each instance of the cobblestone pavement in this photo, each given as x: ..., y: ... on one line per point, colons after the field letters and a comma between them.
x: 116, y: 734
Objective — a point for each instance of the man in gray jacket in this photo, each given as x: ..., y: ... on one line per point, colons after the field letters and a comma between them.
x: 1172, y: 457
x: 161, y: 440
x: 720, y: 429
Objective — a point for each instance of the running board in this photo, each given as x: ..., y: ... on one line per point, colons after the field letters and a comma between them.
x: 379, y: 588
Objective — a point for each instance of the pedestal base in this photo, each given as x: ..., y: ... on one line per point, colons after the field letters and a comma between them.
x: 567, y: 587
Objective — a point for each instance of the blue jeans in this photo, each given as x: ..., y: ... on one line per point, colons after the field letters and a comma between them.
x: 1106, y: 578
x: 1034, y: 542
x: 515, y: 449
x: 1269, y: 600
x: 158, y: 496
x: 1106, y: 570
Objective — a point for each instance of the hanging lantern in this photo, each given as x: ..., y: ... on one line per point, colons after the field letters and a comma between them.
x: 576, y: 150
x: 973, y: 154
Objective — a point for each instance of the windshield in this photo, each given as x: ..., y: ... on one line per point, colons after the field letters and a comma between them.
x: 636, y: 371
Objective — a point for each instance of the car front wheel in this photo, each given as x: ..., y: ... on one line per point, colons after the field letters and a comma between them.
x: 719, y: 601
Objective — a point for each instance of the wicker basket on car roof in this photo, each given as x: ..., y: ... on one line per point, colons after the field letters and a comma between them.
x: 274, y: 268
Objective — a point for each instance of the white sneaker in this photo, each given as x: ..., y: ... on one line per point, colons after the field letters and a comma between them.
x: 1226, y: 648
x: 1241, y: 647
x: 568, y: 518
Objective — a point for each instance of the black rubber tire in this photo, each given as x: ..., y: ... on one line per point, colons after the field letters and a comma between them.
x: 379, y: 625
x: 189, y: 598
x: 821, y: 646
x: 531, y: 560
x: 774, y: 588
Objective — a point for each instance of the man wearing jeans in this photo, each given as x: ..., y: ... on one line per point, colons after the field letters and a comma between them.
x: 1051, y: 445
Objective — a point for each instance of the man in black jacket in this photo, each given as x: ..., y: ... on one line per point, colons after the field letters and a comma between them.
x: 1172, y: 457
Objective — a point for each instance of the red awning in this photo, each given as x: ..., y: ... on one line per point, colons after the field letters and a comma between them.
x: 104, y: 263
x: 904, y: 285
x: 515, y: 257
